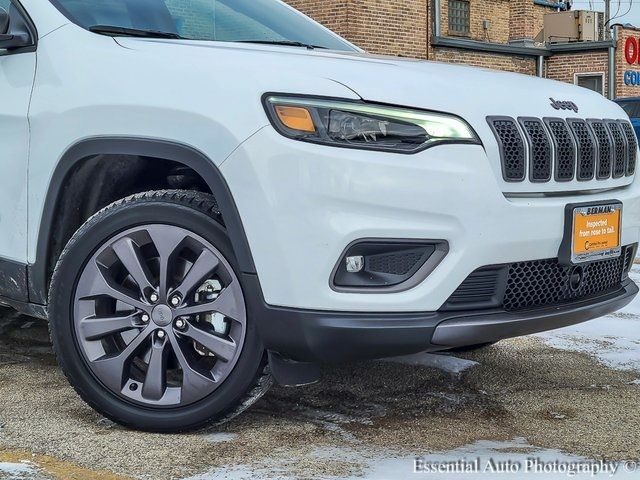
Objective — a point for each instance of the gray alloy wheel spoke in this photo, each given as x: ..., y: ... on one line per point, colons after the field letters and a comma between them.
x: 166, y: 242
x: 151, y: 351
x: 100, y: 285
x: 201, y: 270
x: 226, y: 304
x: 130, y: 256
x: 96, y: 328
x: 113, y: 370
x: 155, y: 382
x: 223, y: 349
x: 193, y: 381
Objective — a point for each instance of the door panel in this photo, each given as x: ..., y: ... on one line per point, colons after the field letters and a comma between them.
x: 16, y: 80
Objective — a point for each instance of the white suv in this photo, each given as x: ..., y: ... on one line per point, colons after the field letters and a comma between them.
x: 204, y: 195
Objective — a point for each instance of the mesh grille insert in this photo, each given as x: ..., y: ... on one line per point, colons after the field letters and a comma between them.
x: 538, y: 283
x: 586, y: 149
x: 565, y: 150
x: 632, y: 141
x: 511, y: 146
x: 619, y: 146
x: 539, y: 149
x: 546, y: 282
x: 394, y: 263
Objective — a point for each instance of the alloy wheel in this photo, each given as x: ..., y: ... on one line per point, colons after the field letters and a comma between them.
x: 159, y: 316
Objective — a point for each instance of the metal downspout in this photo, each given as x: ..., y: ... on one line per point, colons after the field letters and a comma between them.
x: 611, y: 90
x: 540, y: 66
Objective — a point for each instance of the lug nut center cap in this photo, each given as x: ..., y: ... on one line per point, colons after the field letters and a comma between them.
x: 162, y: 315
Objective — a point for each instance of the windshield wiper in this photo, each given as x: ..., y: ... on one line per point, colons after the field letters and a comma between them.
x: 132, y: 32
x: 286, y: 43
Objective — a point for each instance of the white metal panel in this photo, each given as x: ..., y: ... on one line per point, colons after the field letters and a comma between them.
x: 16, y: 81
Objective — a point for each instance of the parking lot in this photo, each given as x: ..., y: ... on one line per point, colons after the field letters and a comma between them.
x: 569, y: 394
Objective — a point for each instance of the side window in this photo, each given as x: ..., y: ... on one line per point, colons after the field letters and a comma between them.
x: 5, y: 4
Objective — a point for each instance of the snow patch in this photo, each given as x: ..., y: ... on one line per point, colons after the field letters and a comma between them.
x: 382, y: 465
x: 446, y: 363
x: 18, y: 471
x: 241, y: 472
x: 614, y: 339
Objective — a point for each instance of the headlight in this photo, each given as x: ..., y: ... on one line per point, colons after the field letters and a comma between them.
x: 365, y: 125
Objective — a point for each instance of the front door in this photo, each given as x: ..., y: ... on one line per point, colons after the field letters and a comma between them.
x: 17, y: 71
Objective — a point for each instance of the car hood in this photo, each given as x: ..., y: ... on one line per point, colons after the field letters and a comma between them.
x: 471, y: 92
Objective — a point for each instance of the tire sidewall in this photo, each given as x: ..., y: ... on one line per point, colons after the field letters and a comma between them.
x: 99, y: 229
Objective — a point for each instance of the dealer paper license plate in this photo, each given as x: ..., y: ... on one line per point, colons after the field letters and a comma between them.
x: 596, y: 233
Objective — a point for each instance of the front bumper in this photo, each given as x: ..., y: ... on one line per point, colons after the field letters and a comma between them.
x: 303, y: 204
x: 317, y: 336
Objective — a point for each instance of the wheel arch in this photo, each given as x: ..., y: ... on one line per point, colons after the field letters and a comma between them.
x: 38, y: 272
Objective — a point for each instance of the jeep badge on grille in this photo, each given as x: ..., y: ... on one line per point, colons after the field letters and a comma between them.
x: 558, y: 105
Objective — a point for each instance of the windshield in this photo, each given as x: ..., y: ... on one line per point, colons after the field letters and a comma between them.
x: 261, y: 21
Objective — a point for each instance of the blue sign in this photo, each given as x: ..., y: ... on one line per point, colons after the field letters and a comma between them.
x: 632, y: 78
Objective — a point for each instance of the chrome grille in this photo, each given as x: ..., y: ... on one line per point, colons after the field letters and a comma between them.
x: 539, y: 150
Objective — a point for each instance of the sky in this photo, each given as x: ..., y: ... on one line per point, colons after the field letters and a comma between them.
x: 632, y: 6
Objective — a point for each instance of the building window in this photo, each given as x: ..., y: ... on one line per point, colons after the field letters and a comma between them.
x: 459, y: 17
x: 592, y: 81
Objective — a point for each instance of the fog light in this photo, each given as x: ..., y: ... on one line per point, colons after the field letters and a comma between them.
x: 384, y: 264
x: 355, y: 264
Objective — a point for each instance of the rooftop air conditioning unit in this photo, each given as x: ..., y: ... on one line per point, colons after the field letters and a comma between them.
x: 573, y: 26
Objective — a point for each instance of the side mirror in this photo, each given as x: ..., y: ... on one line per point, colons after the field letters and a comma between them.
x: 10, y: 40
x: 4, y: 21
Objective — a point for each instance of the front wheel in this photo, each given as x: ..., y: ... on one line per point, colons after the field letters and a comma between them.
x: 148, y: 316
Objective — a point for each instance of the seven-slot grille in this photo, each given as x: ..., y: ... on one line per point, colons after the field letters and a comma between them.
x: 542, y: 149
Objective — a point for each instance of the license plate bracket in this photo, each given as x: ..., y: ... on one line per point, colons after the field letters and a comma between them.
x: 592, y: 231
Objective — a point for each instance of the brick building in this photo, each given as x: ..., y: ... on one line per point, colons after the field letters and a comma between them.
x: 501, y: 34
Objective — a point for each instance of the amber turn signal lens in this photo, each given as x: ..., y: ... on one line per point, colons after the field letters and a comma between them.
x: 296, y: 118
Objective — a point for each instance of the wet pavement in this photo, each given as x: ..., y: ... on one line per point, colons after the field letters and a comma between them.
x: 572, y: 394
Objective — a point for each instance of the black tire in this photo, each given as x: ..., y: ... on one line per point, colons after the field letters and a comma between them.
x: 198, y: 213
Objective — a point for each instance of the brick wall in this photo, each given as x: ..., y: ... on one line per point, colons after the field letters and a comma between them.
x: 527, y: 20
x: 497, y: 12
x: 564, y: 67
x: 403, y: 27
x: 333, y: 14
x: 525, y: 65
x: 392, y: 27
